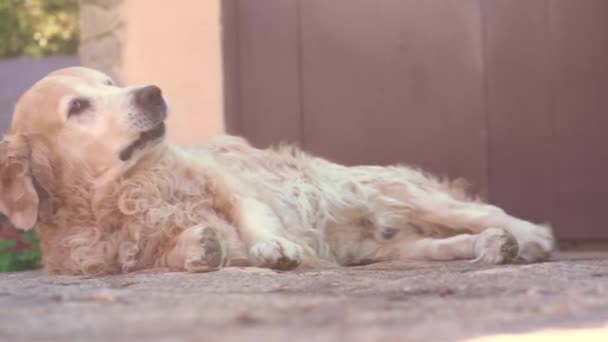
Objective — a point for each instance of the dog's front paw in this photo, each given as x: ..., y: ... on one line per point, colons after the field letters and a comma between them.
x: 495, y: 246
x: 207, y: 253
x: 276, y: 253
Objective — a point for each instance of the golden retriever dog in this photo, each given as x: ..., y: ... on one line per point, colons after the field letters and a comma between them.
x: 86, y: 165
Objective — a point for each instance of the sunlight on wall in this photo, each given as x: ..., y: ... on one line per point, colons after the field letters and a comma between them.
x: 177, y: 46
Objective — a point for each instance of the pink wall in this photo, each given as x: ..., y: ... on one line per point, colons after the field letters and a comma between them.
x: 178, y: 47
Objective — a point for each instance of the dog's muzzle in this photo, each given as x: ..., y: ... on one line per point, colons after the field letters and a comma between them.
x: 151, y: 111
x: 149, y: 100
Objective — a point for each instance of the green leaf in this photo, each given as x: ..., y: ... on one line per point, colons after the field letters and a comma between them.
x: 11, y: 260
x: 6, y: 245
x: 38, y: 27
x: 6, y: 261
x: 30, y: 237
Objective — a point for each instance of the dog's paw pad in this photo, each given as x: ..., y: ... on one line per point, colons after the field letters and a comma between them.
x: 495, y: 246
x: 536, y: 243
x: 209, y: 254
x: 277, y: 253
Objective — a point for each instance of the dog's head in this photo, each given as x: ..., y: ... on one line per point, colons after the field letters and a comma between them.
x: 75, y: 118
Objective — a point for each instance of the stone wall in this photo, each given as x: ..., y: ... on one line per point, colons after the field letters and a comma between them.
x: 101, y: 26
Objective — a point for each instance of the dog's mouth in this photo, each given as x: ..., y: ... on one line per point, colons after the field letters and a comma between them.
x: 145, y: 139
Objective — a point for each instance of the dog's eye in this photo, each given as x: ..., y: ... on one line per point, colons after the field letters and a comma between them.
x: 78, y: 106
x: 109, y: 82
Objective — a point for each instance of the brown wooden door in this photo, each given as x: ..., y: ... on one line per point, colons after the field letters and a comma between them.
x: 509, y: 94
x: 581, y: 117
x: 547, y: 109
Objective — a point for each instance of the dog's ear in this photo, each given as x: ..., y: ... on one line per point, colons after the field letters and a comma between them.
x: 18, y: 197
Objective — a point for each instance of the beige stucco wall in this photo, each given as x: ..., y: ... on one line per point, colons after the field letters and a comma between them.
x: 174, y: 44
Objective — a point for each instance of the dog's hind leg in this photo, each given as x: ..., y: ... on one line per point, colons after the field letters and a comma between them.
x: 536, y: 242
x: 434, y: 207
x: 354, y: 246
x: 492, y: 246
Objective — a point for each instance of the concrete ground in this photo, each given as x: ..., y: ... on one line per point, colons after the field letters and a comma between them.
x: 388, y: 301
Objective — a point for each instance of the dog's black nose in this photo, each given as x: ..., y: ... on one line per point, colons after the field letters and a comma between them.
x: 150, y: 96
x: 150, y: 102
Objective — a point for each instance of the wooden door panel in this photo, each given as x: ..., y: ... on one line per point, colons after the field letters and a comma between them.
x: 581, y: 117
x: 263, y: 77
x: 396, y: 81
x: 519, y: 67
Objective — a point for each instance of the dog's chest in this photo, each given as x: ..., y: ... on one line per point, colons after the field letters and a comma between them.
x: 176, y: 200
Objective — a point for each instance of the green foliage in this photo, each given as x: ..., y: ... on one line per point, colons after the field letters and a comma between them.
x: 12, y: 260
x: 38, y: 27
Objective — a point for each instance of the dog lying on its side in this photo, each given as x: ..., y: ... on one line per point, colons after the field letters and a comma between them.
x: 85, y: 163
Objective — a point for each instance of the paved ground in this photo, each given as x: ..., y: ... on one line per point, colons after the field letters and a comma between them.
x: 387, y: 301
